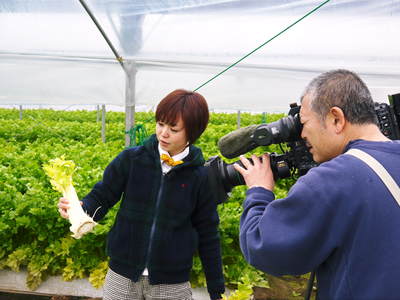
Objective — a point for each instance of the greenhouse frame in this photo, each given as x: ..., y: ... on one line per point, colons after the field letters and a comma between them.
x: 253, y: 56
x: 52, y: 52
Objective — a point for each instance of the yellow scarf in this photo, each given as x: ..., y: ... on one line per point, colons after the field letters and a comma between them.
x: 170, y: 161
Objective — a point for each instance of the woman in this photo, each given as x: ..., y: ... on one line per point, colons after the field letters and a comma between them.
x: 167, y: 211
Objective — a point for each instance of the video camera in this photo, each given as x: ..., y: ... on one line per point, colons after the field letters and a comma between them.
x: 296, y: 161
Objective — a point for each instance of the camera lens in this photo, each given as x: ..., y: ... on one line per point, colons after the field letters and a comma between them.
x: 231, y: 178
x: 287, y: 129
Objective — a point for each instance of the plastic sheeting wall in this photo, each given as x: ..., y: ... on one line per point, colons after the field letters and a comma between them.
x: 53, y: 54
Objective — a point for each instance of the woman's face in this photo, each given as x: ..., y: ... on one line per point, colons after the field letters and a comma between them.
x: 172, y: 137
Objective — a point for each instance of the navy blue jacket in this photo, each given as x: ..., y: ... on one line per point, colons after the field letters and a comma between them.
x: 339, y: 219
x: 162, y: 220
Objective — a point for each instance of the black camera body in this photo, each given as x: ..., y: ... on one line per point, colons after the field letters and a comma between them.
x: 389, y: 117
x: 297, y: 160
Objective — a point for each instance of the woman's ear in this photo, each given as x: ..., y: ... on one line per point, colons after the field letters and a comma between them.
x: 338, y: 119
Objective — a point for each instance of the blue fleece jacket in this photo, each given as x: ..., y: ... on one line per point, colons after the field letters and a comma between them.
x: 339, y: 219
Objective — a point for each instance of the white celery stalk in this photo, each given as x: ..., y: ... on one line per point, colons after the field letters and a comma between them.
x: 60, y: 172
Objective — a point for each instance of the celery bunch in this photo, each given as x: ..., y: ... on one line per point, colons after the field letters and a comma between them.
x: 60, y: 172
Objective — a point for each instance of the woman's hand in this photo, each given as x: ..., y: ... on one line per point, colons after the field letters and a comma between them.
x: 63, y: 205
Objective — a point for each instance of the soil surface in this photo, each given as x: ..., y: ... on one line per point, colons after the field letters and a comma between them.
x: 11, y: 296
x: 281, y: 288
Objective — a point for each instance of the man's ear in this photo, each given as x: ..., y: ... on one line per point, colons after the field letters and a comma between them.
x: 337, y: 118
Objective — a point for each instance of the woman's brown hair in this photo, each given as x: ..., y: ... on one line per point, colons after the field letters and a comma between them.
x: 190, y: 106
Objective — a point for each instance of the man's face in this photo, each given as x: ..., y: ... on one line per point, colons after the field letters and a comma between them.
x: 320, y: 136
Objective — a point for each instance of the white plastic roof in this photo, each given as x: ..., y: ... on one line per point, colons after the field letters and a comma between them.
x: 52, y: 53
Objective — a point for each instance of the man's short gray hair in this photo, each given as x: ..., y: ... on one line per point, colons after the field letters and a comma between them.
x: 343, y: 89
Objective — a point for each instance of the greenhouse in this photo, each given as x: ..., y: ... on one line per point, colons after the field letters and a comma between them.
x: 52, y: 53
x: 78, y: 77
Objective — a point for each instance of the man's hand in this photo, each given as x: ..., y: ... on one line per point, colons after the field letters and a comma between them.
x: 257, y: 174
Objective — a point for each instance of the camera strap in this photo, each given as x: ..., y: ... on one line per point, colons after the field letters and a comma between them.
x: 379, y: 170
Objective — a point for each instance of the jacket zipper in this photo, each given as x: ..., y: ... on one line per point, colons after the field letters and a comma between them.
x: 153, y: 225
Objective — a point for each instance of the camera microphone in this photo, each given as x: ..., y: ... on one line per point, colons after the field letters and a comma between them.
x: 248, y: 138
x: 238, y: 142
x: 223, y: 176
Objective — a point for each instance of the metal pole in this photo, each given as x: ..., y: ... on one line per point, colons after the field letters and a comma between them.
x: 103, y: 123
x: 130, y: 70
x: 117, y: 56
x: 310, y: 285
x: 98, y: 113
x: 20, y: 112
x: 238, y: 119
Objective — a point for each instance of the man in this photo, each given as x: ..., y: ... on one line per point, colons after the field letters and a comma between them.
x: 339, y: 219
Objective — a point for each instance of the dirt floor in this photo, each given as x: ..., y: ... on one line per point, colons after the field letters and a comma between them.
x: 281, y: 288
x: 11, y: 296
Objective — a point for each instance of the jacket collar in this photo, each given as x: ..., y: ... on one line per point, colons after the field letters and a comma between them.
x: 194, y: 158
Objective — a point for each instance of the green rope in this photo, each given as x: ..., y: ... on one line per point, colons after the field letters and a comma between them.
x: 234, y: 64
x: 263, y: 118
x: 137, y: 135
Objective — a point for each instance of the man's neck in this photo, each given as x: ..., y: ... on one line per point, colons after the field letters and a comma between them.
x: 368, y: 132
